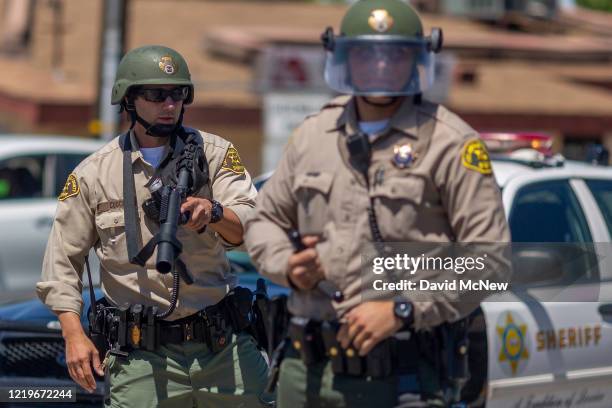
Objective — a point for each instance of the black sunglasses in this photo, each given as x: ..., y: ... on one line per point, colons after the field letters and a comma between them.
x: 160, y: 94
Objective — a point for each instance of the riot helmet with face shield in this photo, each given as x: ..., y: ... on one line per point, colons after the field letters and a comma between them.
x: 381, y: 51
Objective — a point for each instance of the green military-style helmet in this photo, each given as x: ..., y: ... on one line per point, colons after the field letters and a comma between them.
x: 151, y: 65
x: 381, y: 50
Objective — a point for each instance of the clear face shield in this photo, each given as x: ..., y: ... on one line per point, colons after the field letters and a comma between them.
x: 375, y: 66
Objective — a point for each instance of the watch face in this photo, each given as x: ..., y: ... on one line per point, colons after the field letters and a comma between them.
x: 403, y: 310
x: 217, y: 212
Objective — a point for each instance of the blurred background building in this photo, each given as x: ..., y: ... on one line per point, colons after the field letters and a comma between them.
x: 508, y: 65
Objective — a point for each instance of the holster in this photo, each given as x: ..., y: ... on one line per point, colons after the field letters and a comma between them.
x: 259, y: 326
x: 219, y: 329
x: 277, y: 322
x: 99, y: 322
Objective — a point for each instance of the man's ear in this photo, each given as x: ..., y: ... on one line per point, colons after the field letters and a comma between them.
x: 128, y: 103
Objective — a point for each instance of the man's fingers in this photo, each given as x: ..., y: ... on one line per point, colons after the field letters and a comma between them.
x: 197, y: 219
x: 368, y: 345
x: 96, y: 363
x: 80, y: 376
x: 310, y: 240
x: 87, y: 374
x: 360, y: 338
x: 301, y: 276
x: 342, y: 335
x: 73, y: 373
x: 303, y: 257
x: 355, y: 327
x: 188, y: 205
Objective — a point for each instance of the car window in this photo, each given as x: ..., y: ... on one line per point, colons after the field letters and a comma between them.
x: 549, y: 212
x: 64, y: 164
x: 602, y: 191
x: 21, y: 177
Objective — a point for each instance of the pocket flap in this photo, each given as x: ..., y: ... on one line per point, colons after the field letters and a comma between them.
x: 110, y: 219
x: 314, y: 180
x: 409, y: 188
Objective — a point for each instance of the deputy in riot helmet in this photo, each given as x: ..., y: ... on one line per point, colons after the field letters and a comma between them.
x: 174, y: 339
x: 379, y: 164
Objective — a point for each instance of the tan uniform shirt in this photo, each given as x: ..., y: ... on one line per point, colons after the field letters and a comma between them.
x: 90, y: 214
x: 442, y: 197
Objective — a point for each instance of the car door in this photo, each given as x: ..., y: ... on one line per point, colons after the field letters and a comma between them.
x: 24, y: 213
x: 549, y: 344
x: 29, y: 186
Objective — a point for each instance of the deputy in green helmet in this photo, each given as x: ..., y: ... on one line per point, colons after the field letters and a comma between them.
x: 178, y: 339
x: 381, y: 51
x: 378, y: 165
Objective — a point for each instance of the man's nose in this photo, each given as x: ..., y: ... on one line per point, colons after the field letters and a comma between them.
x: 169, y: 103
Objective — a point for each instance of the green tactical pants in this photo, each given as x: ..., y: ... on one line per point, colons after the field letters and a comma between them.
x: 189, y: 375
x: 317, y: 386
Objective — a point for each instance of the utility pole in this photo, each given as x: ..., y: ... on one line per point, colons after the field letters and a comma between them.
x: 112, y: 47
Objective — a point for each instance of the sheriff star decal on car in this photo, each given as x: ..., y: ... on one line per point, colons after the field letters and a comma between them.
x: 513, y: 343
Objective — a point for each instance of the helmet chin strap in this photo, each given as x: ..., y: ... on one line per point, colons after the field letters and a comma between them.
x: 392, y: 100
x: 155, y: 130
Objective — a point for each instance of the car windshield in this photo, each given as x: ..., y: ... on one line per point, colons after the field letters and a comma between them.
x: 602, y: 190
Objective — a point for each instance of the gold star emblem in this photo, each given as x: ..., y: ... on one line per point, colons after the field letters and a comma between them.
x: 513, y: 338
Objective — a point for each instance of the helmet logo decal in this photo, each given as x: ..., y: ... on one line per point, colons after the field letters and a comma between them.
x: 167, y: 65
x: 380, y: 20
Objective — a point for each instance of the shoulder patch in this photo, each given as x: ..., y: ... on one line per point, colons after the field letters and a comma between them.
x: 71, y: 188
x: 232, y: 161
x: 476, y: 157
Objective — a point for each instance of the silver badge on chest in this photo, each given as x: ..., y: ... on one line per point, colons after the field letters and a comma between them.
x: 403, y: 156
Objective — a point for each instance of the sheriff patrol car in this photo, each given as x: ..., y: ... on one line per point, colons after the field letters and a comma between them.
x: 550, y: 345
x: 33, y: 170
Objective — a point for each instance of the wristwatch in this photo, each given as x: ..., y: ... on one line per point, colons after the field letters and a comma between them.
x: 217, y: 212
x: 404, y: 311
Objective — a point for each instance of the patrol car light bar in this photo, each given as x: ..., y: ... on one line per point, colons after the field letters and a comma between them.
x: 506, y: 143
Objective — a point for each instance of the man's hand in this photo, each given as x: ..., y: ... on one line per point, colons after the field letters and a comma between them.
x: 80, y: 351
x: 304, y: 268
x: 200, y: 210
x: 81, y: 354
x: 367, y: 324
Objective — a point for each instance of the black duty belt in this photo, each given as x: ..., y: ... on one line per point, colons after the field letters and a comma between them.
x: 136, y: 327
x: 315, y: 341
x: 213, y: 329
